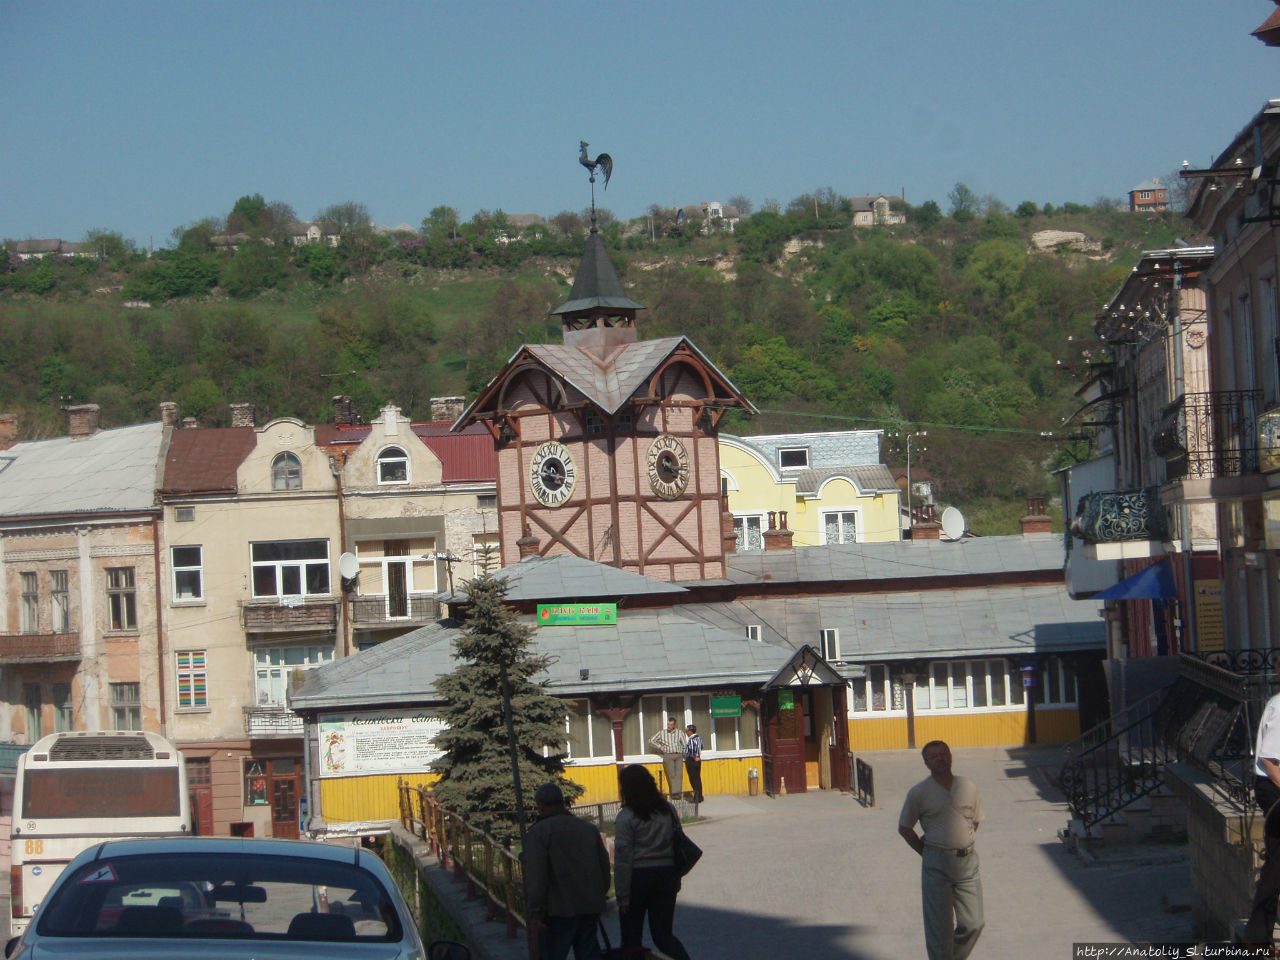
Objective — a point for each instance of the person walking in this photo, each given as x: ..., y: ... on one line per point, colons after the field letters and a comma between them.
x: 693, y: 761
x: 645, y: 880
x: 671, y: 743
x: 948, y: 809
x: 1259, y: 929
x: 566, y: 870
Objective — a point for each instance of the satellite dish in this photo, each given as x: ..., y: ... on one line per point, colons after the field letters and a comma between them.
x: 348, y: 566
x: 952, y: 523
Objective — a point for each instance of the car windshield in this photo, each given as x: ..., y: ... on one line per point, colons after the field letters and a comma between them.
x: 221, y: 895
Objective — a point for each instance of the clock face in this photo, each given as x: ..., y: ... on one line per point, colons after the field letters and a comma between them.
x: 668, y: 466
x: 552, y: 473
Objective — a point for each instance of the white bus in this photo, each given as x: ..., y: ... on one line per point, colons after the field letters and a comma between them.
x: 77, y: 789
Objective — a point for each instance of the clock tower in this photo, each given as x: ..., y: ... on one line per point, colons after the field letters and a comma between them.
x: 606, y: 443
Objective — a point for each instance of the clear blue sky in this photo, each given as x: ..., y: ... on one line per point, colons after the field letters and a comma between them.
x: 143, y: 116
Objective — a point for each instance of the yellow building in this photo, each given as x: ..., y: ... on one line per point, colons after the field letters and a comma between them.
x: 831, y: 486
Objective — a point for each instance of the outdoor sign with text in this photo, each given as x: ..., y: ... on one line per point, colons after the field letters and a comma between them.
x: 577, y: 614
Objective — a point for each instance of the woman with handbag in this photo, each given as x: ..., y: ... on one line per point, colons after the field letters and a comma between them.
x: 645, y: 877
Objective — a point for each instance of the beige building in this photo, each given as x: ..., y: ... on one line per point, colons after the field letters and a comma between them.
x: 79, y: 569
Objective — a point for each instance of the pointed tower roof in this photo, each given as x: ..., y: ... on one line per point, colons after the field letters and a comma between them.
x: 596, y: 288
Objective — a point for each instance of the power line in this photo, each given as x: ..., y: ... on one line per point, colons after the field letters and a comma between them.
x: 932, y: 425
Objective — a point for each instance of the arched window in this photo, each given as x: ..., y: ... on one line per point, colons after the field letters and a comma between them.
x: 286, y: 472
x: 393, y: 466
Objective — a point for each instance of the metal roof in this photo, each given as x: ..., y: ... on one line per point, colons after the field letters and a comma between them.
x: 663, y: 649
x: 110, y: 470
x: 899, y: 559
x: 868, y: 479
x: 596, y: 283
x: 566, y: 577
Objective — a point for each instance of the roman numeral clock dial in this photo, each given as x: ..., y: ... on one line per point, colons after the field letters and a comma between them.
x: 668, y: 466
x: 552, y: 473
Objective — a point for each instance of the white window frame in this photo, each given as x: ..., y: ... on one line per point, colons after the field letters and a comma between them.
x: 391, y: 456
x: 271, y: 670
x: 761, y: 518
x: 878, y: 680
x: 192, y: 666
x: 753, y: 631
x: 783, y: 451
x: 126, y: 706
x: 829, y: 644
x: 280, y: 566
x: 858, y: 533
x: 188, y: 572
x: 286, y: 471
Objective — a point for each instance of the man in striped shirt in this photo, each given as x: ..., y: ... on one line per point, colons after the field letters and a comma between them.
x: 693, y: 761
x: 671, y: 743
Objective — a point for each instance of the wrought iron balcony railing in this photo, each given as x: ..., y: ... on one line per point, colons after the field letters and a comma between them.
x: 1208, y: 435
x: 390, y: 610
x: 1113, y: 516
x: 271, y: 721
x: 39, y: 647
x: 289, y: 613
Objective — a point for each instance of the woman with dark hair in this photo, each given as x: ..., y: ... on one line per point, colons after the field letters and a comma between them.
x: 644, y: 874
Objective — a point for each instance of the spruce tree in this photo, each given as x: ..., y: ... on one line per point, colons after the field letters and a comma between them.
x: 475, y: 770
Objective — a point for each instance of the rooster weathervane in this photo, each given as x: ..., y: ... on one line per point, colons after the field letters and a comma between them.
x: 604, y: 163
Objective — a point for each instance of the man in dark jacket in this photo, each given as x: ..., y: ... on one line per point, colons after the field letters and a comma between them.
x: 566, y: 876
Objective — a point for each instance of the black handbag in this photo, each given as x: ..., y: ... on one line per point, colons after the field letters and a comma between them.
x: 684, y: 851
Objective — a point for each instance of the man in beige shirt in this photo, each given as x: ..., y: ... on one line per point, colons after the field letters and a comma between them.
x: 948, y: 810
x: 671, y: 743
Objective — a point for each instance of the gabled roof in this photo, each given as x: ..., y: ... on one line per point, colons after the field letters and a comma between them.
x: 111, y: 470
x: 1148, y: 185
x: 465, y: 456
x: 660, y: 649
x: 205, y: 460
x: 868, y: 479
x: 566, y: 577
x: 607, y: 383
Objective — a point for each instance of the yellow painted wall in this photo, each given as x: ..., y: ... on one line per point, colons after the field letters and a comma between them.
x: 760, y: 489
x: 353, y: 799
x: 964, y: 729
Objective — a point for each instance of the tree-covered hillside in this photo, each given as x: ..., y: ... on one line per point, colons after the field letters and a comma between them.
x: 950, y: 324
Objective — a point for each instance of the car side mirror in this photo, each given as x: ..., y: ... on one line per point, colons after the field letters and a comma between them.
x: 11, y: 946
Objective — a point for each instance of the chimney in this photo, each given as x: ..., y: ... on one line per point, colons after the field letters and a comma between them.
x: 1037, y: 519
x: 926, y: 527
x: 169, y: 413
x: 778, y: 537
x: 447, y: 408
x: 190, y: 423
x: 243, y: 415
x: 528, y: 544
x: 727, y: 536
x: 82, y: 420
x: 344, y: 412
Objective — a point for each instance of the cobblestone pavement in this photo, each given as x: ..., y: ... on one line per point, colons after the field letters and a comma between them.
x: 818, y: 875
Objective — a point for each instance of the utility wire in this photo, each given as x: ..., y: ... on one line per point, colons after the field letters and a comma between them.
x: 904, y: 421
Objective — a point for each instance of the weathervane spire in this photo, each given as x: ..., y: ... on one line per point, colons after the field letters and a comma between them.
x: 605, y: 163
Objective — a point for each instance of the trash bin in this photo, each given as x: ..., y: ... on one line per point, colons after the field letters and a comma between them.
x: 753, y: 782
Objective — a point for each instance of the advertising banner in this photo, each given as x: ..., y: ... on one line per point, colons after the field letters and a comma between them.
x: 356, y: 743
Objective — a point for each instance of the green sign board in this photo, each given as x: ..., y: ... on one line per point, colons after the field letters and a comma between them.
x: 726, y: 706
x: 786, y: 700
x: 577, y: 614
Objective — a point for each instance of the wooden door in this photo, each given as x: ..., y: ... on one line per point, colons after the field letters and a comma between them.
x: 200, y: 788
x: 841, y: 769
x: 284, y: 798
x: 783, y: 749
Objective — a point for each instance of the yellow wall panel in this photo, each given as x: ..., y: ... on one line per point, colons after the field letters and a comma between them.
x: 964, y: 729
x: 353, y: 799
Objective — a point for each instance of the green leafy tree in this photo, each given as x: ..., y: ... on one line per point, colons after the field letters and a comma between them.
x: 1026, y: 210
x: 441, y: 224
x: 244, y: 216
x: 964, y: 203
x: 475, y: 769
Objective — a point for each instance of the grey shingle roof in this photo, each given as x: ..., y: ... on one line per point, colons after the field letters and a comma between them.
x: 835, y: 448
x: 115, y: 469
x: 869, y: 479
x: 647, y: 650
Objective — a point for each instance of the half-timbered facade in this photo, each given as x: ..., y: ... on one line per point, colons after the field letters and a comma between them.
x: 606, y: 444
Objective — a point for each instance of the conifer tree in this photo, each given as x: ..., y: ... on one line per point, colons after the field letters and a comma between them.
x: 476, y: 773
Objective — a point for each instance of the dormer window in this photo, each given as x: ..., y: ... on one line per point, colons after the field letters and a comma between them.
x: 393, y: 466
x: 796, y: 458
x: 286, y: 472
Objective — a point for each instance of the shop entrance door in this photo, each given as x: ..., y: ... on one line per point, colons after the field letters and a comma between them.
x: 284, y: 798
x: 783, y: 746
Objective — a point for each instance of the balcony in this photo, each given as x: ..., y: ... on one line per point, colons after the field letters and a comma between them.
x: 289, y: 614
x: 1121, y: 524
x: 1209, y: 442
x: 39, y: 647
x: 383, y: 611
x: 272, y: 722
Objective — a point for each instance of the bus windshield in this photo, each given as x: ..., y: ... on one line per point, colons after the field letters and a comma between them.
x: 103, y: 792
